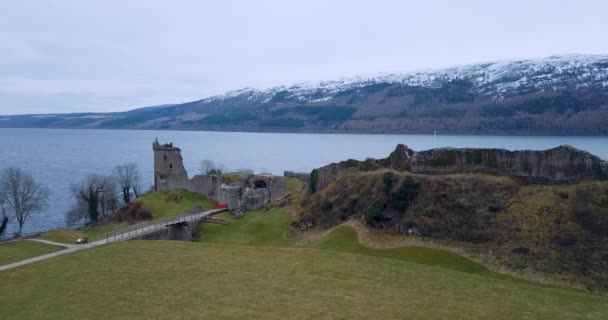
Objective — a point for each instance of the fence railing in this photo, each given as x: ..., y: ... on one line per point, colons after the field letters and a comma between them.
x: 131, y: 231
x: 151, y: 226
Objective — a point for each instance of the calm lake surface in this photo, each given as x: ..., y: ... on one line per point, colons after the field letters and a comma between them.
x: 59, y: 158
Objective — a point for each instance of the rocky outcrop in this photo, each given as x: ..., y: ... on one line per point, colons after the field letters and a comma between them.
x: 564, y: 164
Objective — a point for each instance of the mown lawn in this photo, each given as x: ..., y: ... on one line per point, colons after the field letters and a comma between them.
x: 69, y: 236
x: 185, y: 280
x: 165, y: 204
x: 21, y: 250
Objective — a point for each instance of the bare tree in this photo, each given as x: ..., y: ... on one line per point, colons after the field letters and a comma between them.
x: 128, y: 178
x: 94, y: 197
x: 209, y: 165
x: 4, y: 220
x: 21, y: 193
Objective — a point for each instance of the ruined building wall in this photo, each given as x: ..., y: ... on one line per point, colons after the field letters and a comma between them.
x: 205, y: 184
x: 563, y: 164
x: 169, y: 171
x: 252, y: 192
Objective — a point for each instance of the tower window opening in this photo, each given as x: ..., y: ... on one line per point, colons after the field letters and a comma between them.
x: 165, y: 157
x: 171, y: 166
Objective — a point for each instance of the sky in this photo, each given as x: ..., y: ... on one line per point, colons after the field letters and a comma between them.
x: 101, y: 56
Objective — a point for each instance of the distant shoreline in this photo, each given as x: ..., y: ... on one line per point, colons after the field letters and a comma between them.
x: 329, y: 131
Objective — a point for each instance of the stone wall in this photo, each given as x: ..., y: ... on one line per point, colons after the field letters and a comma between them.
x: 205, y: 184
x: 302, y: 176
x: 169, y: 171
x: 185, y: 231
x: 251, y: 192
x: 563, y: 164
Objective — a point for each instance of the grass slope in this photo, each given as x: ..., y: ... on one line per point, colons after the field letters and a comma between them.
x: 183, y: 280
x: 269, y: 228
x: 21, y: 250
x: 344, y: 238
x: 258, y: 227
x: 164, y: 204
x: 64, y: 235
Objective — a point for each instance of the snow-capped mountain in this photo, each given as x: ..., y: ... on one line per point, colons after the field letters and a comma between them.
x: 565, y: 94
x: 493, y: 78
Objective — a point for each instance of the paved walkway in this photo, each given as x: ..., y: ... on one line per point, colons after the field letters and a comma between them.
x: 131, y: 233
x: 58, y: 244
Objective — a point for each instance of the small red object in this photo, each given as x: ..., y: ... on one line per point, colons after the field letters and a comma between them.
x: 221, y: 206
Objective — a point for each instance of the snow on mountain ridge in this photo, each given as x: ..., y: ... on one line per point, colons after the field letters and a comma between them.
x: 491, y: 78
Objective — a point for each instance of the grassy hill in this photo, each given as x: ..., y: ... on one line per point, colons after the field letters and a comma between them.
x: 556, y: 230
x: 162, y: 204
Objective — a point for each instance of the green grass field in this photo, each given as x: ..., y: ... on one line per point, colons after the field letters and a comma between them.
x: 258, y: 227
x: 251, y: 269
x: 165, y: 204
x: 185, y: 280
x: 21, y: 250
x: 69, y: 236
x: 269, y: 228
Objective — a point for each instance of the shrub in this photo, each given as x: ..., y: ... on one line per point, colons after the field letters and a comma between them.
x: 375, y: 213
x: 314, y: 179
x: 130, y: 213
x: 405, y: 194
x: 388, y: 180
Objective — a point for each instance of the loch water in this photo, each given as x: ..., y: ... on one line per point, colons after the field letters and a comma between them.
x: 61, y: 157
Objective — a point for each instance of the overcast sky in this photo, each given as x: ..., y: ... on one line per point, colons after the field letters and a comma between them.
x: 68, y: 56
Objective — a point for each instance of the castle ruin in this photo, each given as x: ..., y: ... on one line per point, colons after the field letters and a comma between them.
x: 250, y: 192
x: 563, y: 164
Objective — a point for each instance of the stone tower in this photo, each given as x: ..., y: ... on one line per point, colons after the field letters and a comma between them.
x: 169, y: 171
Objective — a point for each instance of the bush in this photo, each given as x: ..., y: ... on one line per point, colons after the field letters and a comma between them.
x: 130, y: 213
x: 375, y: 213
x: 405, y: 194
x: 388, y: 180
x: 314, y: 179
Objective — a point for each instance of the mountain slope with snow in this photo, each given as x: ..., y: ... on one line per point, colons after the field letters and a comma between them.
x: 558, y: 95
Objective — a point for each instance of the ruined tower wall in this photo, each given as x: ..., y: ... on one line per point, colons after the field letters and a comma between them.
x: 169, y: 171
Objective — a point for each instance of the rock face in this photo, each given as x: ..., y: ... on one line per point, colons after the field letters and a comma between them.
x: 563, y: 164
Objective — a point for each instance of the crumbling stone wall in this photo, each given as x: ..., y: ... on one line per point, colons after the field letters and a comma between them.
x: 276, y: 185
x: 205, y: 184
x: 169, y: 171
x: 302, y: 176
x: 563, y: 164
x: 230, y: 194
x: 185, y: 231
